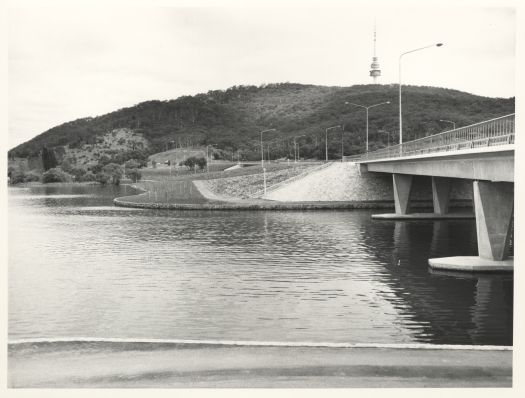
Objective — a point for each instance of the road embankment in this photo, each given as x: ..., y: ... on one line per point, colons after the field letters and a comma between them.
x: 330, y: 186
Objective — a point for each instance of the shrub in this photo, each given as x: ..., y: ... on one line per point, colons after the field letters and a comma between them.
x: 32, y: 176
x: 87, y: 177
x: 55, y: 175
x: 201, y: 162
x: 132, y: 164
x: 77, y: 172
x: 192, y: 162
x: 103, y: 178
x: 19, y: 177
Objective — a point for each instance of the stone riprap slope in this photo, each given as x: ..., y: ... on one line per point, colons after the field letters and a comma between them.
x: 252, y: 186
x: 337, y: 182
x: 344, y: 182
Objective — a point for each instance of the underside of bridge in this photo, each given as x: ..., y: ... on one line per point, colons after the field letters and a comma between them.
x: 492, y: 173
x: 489, y: 165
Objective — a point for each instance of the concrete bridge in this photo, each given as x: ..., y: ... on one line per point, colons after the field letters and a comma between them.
x: 482, y: 152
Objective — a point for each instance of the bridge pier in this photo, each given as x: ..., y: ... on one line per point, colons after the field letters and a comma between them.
x: 402, y: 188
x: 494, y: 208
x: 402, y: 184
x: 440, y: 194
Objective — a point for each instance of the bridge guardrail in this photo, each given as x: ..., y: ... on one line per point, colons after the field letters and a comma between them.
x: 494, y: 132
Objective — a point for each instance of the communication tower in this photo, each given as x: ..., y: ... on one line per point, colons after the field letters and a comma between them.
x: 375, y: 72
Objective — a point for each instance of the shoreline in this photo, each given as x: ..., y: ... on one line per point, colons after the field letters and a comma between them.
x: 256, y: 205
x: 261, y: 204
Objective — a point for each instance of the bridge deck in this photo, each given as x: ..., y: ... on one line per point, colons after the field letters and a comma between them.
x: 490, y: 135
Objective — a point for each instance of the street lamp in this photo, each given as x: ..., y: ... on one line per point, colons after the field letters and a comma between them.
x: 449, y: 121
x: 207, y: 157
x: 342, y: 144
x: 262, y: 147
x: 326, y: 139
x: 367, y: 108
x: 400, y: 111
x: 262, y: 158
x: 295, y: 151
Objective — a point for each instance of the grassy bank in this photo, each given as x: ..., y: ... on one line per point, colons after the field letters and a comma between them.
x: 164, y: 188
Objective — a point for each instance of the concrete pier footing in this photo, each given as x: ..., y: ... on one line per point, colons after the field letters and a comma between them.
x: 424, y: 216
x: 472, y: 264
x: 494, y: 207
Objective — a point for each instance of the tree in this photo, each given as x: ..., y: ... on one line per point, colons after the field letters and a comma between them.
x: 201, y: 162
x: 102, y: 178
x: 114, y: 171
x: 67, y: 164
x: 88, y: 177
x: 49, y: 160
x: 77, y: 172
x: 55, y: 175
x: 132, y: 164
x: 17, y: 176
x: 189, y: 162
x: 134, y: 174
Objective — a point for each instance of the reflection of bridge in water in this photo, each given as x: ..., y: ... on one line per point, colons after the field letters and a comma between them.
x: 432, y: 306
x: 483, y: 153
x: 448, y: 302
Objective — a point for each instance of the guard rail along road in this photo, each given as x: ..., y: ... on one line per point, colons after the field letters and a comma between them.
x: 494, y: 132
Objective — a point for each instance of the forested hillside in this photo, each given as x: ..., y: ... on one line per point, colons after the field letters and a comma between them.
x: 232, y: 119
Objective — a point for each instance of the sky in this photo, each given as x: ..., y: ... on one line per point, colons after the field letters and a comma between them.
x: 67, y: 62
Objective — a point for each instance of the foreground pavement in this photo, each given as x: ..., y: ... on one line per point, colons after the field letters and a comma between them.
x: 136, y: 365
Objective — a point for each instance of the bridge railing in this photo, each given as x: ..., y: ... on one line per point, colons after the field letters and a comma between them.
x: 494, y: 132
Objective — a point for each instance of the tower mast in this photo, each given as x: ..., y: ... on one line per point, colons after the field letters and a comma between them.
x: 375, y: 71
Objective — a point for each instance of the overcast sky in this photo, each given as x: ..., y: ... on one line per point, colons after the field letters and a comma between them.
x: 66, y: 63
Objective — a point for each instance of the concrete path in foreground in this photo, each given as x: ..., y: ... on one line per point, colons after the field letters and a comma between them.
x: 178, y: 365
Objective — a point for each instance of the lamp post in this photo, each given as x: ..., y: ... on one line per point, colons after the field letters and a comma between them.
x: 262, y: 158
x: 400, y: 110
x: 342, y: 147
x: 449, y: 121
x: 208, y: 158
x: 295, y: 150
x: 326, y: 140
x: 367, y: 108
x: 262, y: 147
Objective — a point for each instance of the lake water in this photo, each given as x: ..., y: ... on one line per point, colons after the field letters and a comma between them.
x: 79, y: 267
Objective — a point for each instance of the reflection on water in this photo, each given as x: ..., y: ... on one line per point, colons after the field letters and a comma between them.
x: 80, y: 267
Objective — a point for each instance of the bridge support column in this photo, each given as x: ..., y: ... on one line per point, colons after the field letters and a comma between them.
x: 494, y: 207
x: 402, y: 188
x: 440, y: 194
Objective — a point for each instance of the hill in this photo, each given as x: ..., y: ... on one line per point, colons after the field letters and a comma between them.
x: 232, y: 119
